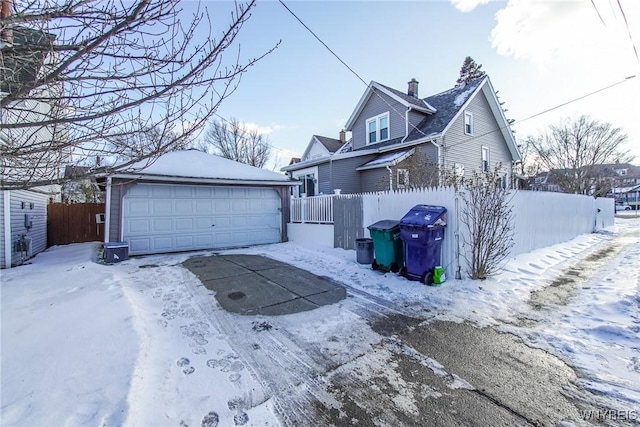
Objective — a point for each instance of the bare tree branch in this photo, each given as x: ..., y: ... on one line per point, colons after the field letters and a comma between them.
x: 234, y: 140
x: 87, y: 78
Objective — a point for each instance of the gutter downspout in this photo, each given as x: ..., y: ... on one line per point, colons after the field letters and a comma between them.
x: 6, y: 195
x: 390, y: 177
x: 107, y: 213
x: 406, y: 124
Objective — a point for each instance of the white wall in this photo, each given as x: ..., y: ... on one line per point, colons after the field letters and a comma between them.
x: 311, y: 234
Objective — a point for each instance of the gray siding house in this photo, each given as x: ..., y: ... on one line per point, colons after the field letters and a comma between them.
x: 23, y: 225
x: 400, y: 140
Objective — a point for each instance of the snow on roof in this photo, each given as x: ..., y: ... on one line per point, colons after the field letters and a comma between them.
x: 387, y: 159
x: 462, y: 98
x: 197, y: 164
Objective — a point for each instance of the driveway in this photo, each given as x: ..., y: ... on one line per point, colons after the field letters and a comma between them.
x: 366, y: 360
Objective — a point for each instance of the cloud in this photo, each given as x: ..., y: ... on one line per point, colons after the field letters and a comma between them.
x: 467, y: 5
x: 540, y: 32
x: 265, y: 130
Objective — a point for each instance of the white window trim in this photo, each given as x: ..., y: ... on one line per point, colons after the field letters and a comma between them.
x: 468, y: 114
x: 485, y: 149
x: 377, y: 120
x: 405, y: 181
x: 301, y: 173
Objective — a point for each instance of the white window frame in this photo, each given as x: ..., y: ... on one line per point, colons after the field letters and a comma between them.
x: 485, y: 159
x: 376, y: 120
x: 404, y: 174
x: 468, y: 120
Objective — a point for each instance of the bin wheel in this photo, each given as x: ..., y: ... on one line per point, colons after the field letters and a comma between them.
x: 428, y: 278
x: 394, y: 267
x: 403, y: 271
x: 374, y: 264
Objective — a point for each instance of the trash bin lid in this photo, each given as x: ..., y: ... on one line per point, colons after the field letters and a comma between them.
x: 425, y: 215
x: 385, y: 224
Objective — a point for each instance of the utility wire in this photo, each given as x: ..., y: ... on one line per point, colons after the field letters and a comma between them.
x: 626, y: 23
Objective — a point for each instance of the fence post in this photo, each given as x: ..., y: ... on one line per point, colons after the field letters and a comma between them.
x: 303, y: 208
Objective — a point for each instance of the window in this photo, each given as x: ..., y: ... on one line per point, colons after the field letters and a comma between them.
x: 468, y: 123
x: 485, y: 159
x: 402, y: 178
x: 378, y: 128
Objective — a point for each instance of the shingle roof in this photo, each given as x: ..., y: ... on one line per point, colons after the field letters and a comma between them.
x: 409, y: 99
x: 330, y: 144
x: 447, y: 104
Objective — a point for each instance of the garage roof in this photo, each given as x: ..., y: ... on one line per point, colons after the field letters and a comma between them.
x: 197, y: 166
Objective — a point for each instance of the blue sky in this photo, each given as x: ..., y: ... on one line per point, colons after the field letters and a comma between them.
x: 538, y: 55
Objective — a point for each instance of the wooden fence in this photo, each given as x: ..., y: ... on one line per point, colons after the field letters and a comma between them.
x: 74, y: 223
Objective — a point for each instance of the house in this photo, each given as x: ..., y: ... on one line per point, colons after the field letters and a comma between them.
x: 601, y: 180
x: 319, y: 147
x: 189, y: 200
x: 400, y: 140
x: 23, y: 207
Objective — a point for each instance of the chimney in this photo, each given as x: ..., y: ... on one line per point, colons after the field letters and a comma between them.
x: 343, y: 136
x: 6, y: 33
x: 413, y: 88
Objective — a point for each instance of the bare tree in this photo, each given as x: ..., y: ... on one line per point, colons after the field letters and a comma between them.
x: 234, y: 140
x: 573, y: 149
x: 82, y: 78
x: 488, y: 217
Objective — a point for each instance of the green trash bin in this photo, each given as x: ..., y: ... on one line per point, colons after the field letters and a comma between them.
x: 387, y: 246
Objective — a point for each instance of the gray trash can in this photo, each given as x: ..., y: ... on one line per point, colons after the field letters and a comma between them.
x: 364, y: 250
x: 116, y: 252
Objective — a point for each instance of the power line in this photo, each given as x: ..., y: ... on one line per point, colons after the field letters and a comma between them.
x: 626, y: 23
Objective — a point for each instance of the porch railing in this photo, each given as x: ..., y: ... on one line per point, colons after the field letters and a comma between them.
x: 312, y: 210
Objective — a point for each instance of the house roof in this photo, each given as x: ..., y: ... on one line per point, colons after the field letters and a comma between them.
x: 402, y: 98
x: 387, y: 159
x: 448, y: 104
x: 197, y: 166
x: 331, y: 144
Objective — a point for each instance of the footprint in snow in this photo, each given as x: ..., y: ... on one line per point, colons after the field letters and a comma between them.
x: 235, y: 377
x: 189, y: 370
x: 241, y: 418
x: 183, y: 361
x: 236, y: 403
x: 210, y: 420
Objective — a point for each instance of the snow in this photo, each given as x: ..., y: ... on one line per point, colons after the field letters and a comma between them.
x: 462, y: 97
x: 388, y: 159
x: 197, y: 164
x: 139, y: 343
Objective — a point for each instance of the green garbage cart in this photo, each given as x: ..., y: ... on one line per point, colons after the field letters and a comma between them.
x: 387, y: 246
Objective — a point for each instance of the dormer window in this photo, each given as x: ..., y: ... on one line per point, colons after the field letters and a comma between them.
x: 378, y: 128
x: 468, y: 123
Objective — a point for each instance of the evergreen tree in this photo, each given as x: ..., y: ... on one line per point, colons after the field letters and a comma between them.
x: 469, y: 71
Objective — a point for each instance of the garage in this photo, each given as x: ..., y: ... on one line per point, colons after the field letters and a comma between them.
x: 171, y: 218
x: 189, y: 200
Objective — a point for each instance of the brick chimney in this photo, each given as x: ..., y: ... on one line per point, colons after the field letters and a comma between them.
x: 343, y: 136
x: 6, y: 33
x: 413, y: 88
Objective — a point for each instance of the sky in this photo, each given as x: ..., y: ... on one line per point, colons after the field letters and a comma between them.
x: 539, y: 56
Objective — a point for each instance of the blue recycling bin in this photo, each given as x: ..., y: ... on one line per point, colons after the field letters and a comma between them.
x: 422, y: 233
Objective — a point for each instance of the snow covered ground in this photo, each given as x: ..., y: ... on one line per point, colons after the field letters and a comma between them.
x: 140, y: 343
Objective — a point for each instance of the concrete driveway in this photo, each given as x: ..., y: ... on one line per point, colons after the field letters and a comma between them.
x: 253, y: 284
x: 369, y: 361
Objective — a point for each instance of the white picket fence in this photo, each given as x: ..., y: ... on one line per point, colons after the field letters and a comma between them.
x: 541, y: 219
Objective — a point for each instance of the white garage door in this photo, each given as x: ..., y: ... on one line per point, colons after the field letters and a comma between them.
x: 170, y: 218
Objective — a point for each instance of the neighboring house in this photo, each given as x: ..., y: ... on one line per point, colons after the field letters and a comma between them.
x: 189, y: 200
x: 400, y: 140
x: 23, y: 212
x: 23, y: 224
x: 597, y: 180
x: 79, y: 189
x: 320, y: 147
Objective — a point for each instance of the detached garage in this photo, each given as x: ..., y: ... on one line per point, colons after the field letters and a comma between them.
x: 189, y: 200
